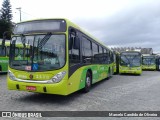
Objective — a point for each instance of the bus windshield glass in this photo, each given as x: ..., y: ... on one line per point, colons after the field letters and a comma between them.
x: 38, y: 52
x: 40, y: 26
x: 130, y: 59
x: 149, y: 60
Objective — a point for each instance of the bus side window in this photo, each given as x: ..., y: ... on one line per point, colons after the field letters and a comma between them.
x: 95, y: 52
x: 87, y: 50
x: 112, y: 57
x: 100, y: 55
x: 74, y: 48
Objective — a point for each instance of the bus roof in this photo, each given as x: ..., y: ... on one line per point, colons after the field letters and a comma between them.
x: 69, y: 23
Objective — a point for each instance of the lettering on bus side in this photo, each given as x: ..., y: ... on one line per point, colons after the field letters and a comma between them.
x: 3, y: 61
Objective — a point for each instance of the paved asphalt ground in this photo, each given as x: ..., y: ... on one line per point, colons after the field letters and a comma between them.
x: 120, y: 93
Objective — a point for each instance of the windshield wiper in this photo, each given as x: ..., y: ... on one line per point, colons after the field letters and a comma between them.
x: 40, y: 44
x: 127, y: 60
x: 44, y: 40
x: 130, y: 61
x: 133, y: 59
x: 23, y: 39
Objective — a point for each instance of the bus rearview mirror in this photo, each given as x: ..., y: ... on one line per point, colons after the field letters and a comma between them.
x: 70, y: 43
x: 76, y: 43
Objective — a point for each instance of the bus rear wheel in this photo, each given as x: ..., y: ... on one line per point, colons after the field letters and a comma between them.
x: 109, y: 74
x: 88, y: 81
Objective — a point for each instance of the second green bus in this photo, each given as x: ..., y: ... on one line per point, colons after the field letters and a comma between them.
x: 130, y: 62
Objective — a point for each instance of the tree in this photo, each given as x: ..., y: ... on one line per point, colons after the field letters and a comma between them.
x: 6, y: 12
x: 5, y: 26
x: 5, y: 19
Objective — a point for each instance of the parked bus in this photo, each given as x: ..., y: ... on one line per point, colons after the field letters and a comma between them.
x: 149, y: 62
x: 4, y: 56
x: 61, y: 59
x: 130, y: 62
x: 116, y: 62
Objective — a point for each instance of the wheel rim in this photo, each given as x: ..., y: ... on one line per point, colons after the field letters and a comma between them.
x: 88, y: 81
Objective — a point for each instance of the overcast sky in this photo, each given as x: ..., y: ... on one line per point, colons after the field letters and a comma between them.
x: 119, y: 23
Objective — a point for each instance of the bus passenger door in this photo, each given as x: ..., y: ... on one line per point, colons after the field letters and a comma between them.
x: 74, y: 61
x: 74, y: 51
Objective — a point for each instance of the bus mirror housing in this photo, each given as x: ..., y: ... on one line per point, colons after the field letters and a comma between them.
x: 76, y: 43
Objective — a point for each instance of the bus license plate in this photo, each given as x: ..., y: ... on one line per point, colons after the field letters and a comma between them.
x: 32, y: 88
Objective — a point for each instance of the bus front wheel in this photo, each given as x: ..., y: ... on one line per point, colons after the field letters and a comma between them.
x: 88, y: 82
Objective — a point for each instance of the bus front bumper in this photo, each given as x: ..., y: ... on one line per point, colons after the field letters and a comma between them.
x: 130, y: 71
x: 52, y: 88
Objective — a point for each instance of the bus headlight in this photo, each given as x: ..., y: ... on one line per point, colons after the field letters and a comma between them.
x: 138, y: 68
x: 11, y: 75
x: 58, y: 77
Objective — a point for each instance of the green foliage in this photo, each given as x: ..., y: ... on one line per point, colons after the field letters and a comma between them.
x: 5, y: 26
x: 6, y: 11
x: 5, y: 19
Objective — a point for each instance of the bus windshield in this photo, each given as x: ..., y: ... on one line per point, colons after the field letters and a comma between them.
x: 130, y: 59
x: 37, y: 52
x: 149, y: 60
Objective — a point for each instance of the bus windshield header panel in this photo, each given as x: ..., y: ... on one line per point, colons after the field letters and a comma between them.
x: 40, y: 26
x: 149, y: 57
x: 130, y: 53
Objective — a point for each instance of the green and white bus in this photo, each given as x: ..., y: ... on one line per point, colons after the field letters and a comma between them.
x: 149, y: 62
x: 4, y: 56
x: 130, y: 62
x: 61, y: 58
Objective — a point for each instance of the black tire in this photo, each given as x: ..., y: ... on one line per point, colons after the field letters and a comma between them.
x: 88, y: 83
x: 109, y: 73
